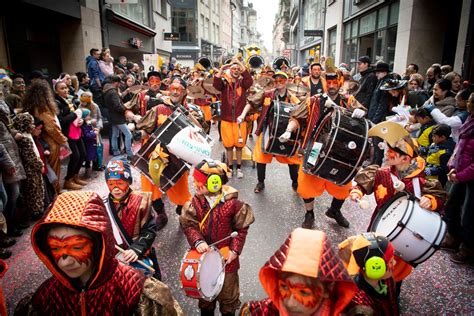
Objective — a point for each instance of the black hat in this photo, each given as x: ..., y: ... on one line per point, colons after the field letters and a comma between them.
x: 383, y: 67
x: 365, y: 59
x: 394, y: 84
x: 153, y: 73
x: 36, y: 74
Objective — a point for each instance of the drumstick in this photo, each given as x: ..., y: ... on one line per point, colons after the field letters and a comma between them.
x: 219, y: 274
x: 234, y: 234
x: 240, y: 140
x: 140, y: 262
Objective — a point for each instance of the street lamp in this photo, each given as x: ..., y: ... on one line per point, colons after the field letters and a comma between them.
x: 233, y: 7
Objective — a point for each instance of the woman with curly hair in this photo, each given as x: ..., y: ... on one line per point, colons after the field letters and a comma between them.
x: 40, y: 103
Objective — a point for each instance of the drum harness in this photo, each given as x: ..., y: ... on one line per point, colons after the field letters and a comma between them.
x: 415, y: 182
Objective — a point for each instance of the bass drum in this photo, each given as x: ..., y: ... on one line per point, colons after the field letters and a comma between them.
x: 279, y: 117
x: 415, y: 232
x: 337, y: 148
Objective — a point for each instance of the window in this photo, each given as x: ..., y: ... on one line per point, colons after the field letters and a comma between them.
x: 383, y: 15
x: 139, y: 12
x: 206, y: 29
x: 394, y: 8
x: 164, y: 8
x: 201, y: 26
x: 332, y: 43
x: 367, y: 23
x: 183, y: 22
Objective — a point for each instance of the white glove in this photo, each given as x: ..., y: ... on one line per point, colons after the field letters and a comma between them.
x: 78, y: 112
x: 358, y: 113
x: 284, y: 137
x: 240, y: 120
x: 131, y: 127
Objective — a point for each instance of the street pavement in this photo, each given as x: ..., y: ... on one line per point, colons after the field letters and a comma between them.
x: 437, y: 286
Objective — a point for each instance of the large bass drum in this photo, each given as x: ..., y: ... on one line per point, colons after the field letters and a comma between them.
x: 415, y: 233
x: 279, y: 117
x: 170, y: 175
x: 337, y: 148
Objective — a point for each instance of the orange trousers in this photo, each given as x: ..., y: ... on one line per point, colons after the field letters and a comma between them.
x: 310, y: 186
x: 260, y: 157
x: 178, y: 193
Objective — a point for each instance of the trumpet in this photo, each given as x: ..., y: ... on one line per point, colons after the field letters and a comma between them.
x: 279, y: 62
x: 255, y: 62
x: 205, y: 62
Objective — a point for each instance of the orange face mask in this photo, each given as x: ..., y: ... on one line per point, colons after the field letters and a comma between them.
x: 281, y: 80
x: 391, y: 154
x: 176, y: 88
x: 77, y: 246
x: 154, y: 81
x: 117, y: 183
x: 308, y: 296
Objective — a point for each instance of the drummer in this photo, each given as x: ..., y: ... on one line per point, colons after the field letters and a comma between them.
x: 179, y: 192
x: 310, y: 186
x: 213, y: 214
x: 403, y: 172
x: 282, y: 94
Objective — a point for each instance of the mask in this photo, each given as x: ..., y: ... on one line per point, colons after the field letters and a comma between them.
x: 77, y: 246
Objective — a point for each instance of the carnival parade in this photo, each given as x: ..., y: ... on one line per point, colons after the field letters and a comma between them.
x: 238, y: 185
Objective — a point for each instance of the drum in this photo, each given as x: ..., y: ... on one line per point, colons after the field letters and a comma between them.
x: 170, y: 175
x: 415, y: 232
x: 216, y: 110
x: 202, y: 274
x: 279, y: 117
x: 183, y: 139
x: 337, y: 148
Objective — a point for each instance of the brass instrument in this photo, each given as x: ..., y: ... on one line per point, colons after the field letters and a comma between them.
x: 279, y: 62
x: 205, y: 62
x: 255, y: 62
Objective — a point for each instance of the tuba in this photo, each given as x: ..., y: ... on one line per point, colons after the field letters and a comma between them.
x: 255, y: 61
x: 279, y: 61
x: 205, y: 62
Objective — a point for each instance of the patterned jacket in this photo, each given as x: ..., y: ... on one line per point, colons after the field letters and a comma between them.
x: 113, y: 288
x: 229, y: 215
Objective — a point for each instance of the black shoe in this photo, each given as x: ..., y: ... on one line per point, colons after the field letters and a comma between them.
x: 337, y: 215
x: 308, y: 220
x: 6, y: 242
x: 259, y: 187
x: 294, y: 185
x: 14, y: 232
x: 5, y: 254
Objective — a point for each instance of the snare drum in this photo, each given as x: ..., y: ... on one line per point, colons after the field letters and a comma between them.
x: 202, y: 274
x: 170, y: 175
x: 337, y: 148
x: 279, y: 117
x: 415, y: 232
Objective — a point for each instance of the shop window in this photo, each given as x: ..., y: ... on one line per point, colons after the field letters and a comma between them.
x: 139, y: 12
x: 382, y: 20
x: 355, y: 28
x: 347, y: 31
x: 367, y: 23
x: 394, y: 8
x: 332, y: 42
x: 164, y: 8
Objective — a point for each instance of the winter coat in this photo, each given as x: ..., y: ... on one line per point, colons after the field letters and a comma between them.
x: 447, y: 106
x: 9, y: 143
x: 233, y: 95
x: 94, y: 72
x: 114, y: 288
x: 463, y: 157
x: 367, y: 85
x: 90, y: 141
x: 66, y: 114
x: 379, y: 103
x: 115, y: 106
x: 437, y: 160
x: 51, y: 132
x: 309, y: 254
x: 107, y: 69
x: 230, y: 214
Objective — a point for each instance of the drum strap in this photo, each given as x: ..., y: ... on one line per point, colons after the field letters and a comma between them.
x: 115, y: 229
x: 201, y: 224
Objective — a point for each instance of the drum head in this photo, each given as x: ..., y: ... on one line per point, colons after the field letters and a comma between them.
x: 210, y: 277
x: 393, y: 212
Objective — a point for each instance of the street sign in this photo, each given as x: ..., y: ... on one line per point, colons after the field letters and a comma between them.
x: 171, y: 36
x: 313, y: 33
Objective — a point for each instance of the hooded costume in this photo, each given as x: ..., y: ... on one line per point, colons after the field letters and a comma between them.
x: 113, y: 288
x: 307, y: 253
